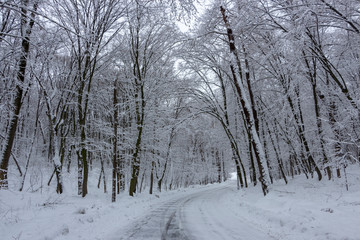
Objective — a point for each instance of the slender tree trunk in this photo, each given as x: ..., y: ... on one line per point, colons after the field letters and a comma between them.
x: 115, y: 127
x: 135, y: 165
x: 121, y: 175
x: 80, y: 173
x: 218, y: 164
x: 152, y: 177
x: 121, y: 167
x: 104, y: 177
x: 161, y: 178
x: 140, y: 113
x: 55, y: 156
x: 252, y: 163
x: 223, y: 167
x: 85, y: 165
x: 320, y: 132
x: 142, y: 181
x: 251, y: 94
x: 338, y: 135
x: 267, y: 155
x: 239, y: 176
x: 100, y: 175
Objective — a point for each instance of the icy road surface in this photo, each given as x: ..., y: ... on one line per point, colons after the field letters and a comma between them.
x: 197, y: 215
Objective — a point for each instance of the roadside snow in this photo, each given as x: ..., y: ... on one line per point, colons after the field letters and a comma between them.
x: 303, y: 209
x: 45, y: 215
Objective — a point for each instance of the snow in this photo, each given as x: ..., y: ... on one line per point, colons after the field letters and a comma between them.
x: 303, y: 209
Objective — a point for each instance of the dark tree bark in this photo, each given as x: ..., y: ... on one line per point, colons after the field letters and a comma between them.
x: 252, y: 163
x: 218, y: 164
x: 267, y: 154
x: 115, y: 155
x: 135, y: 164
x: 152, y: 177
x: 102, y: 175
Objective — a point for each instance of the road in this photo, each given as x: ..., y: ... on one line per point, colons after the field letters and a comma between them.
x: 195, y: 216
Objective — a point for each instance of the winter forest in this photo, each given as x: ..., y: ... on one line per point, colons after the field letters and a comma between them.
x: 126, y: 98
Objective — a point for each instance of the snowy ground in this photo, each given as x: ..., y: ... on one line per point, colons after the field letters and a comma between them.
x: 303, y: 209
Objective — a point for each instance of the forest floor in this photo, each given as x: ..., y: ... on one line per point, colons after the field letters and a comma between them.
x: 302, y: 209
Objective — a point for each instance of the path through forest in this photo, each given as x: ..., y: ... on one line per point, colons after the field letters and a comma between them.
x: 196, y: 215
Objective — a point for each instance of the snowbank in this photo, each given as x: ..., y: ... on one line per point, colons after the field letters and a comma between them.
x: 303, y: 209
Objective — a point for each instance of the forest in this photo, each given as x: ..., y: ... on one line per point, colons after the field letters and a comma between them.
x: 153, y: 95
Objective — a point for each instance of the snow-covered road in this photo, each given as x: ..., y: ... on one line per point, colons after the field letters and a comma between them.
x: 197, y: 215
x: 302, y: 209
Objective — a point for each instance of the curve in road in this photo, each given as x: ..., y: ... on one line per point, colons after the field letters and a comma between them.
x: 195, y: 216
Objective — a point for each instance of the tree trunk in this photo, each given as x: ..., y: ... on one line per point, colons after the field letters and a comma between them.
x: 161, y: 178
x: 223, y: 166
x: 85, y: 165
x: 100, y: 175
x: 239, y: 177
x: 80, y: 173
x: 218, y: 164
x: 115, y: 128
x: 152, y: 177
x: 267, y: 155
x: 140, y: 114
x: 135, y: 164
x: 320, y: 132
x: 252, y: 164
